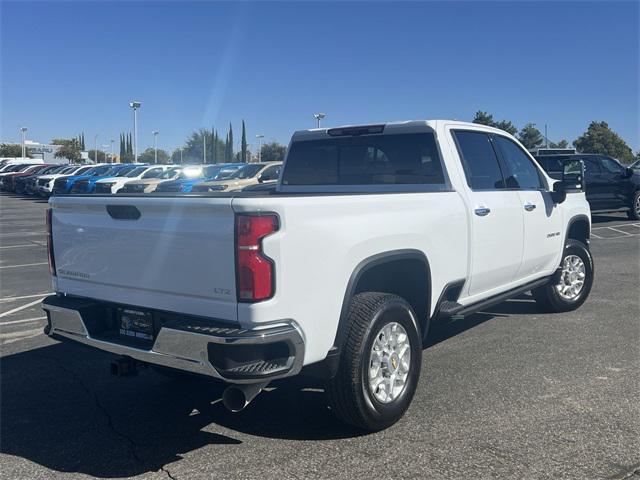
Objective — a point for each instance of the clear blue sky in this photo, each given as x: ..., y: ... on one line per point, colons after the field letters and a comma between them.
x: 73, y: 67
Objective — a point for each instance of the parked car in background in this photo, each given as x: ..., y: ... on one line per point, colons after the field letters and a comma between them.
x: 26, y: 183
x: 194, y: 174
x: 14, y: 168
x: 113, y: 185
x: 45, y: 183
x: 246, y: 175
x: 635, y: 165
x: 7, y: 180
x: 87, y: 185
x: 610, y: 186
x: 65, y: 184
x: 148, y: 185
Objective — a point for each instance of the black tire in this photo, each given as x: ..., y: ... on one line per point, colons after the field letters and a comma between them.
x: 634, y: 211
x: 548, y: 296
x: 349, y: 394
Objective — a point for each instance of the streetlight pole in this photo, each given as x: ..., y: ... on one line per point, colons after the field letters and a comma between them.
x: 259, y: 137
x: 135, y: 105
x: 23, y: 131
x: 155, y: 146
x: 319, y: 116
x: 95, y: 152
x: 112, y: 150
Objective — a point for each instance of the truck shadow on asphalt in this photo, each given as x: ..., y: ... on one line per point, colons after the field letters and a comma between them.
x: 61, y: 409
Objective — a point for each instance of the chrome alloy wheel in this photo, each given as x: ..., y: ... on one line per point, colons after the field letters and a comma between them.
x: 572, y: 278
x: 637, y: 206
x: 389, y: 362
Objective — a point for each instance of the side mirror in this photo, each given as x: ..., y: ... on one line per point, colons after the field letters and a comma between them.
x: 628, y: 172
x: 260, y: 178
x: 572, y: 180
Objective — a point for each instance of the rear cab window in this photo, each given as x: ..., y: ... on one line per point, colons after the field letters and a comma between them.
x: 391, y: 162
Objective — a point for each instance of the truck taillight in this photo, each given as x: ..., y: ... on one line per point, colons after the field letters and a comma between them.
x: 254, y: 270
x: 52, y: 261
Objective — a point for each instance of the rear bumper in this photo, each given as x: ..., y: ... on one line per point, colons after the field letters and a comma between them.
x: 207, y: 347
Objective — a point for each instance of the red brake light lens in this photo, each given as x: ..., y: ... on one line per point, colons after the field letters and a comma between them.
x: 52, y: 261
x: 255, y: 271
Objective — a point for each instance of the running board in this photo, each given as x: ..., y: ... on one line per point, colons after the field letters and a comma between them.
x: 454, y: 309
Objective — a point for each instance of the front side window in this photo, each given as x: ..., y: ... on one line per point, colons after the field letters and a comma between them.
x: 479, y: 160
x: 611, y: 166
x: 270, y: 173
x: 521, y: 172
x: 398, y: 159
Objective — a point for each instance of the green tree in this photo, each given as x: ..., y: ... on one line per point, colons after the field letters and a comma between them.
x: 82, y: 146
x: 148, y: 156
x: 12, y: 150
x: 243, y: 146
x: 229, y: 157
x: 272, y: 152
x: 507, y: 126
x: 530, y: 137
x: 69, y: 149
x: 599, y: 138
x: 100, y: 158
x: 561, y: 144
x: 483, y: 118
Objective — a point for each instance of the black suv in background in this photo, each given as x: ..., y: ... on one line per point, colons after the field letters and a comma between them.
x: 610, y: 187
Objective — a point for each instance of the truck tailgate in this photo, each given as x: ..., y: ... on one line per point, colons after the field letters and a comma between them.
x: 173, y: 254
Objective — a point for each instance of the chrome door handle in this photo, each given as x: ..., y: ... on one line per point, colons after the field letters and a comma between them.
x: 482, y: 211
x: 529, y: 207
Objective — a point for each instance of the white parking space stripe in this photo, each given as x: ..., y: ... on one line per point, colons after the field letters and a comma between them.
x: 17, y: 309
x: 23, y: 245
x: 26, y: 320
x: 25, y: 265
x: 29, y: 333
x: 21, y: 234
x: 12, y: 299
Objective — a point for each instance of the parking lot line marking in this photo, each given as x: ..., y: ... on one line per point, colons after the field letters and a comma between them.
x: 11, y: 299
x: 17, y: 309
x: 619, y: 231
x: 22, y: 234
x: 26, y: 320
x: 25, y: 333
x: 25, y: 265
x: 22, y: 245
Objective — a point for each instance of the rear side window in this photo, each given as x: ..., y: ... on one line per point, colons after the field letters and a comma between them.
x: 521, y: 171
x: 365, y: 160
x: 479, y: 160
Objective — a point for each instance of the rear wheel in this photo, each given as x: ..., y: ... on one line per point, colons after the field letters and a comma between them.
x: 571, y: 288
x: 634, y: 211
x: 380, y: 362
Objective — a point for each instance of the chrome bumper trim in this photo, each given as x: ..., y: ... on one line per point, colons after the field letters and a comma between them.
x: 178, y: 348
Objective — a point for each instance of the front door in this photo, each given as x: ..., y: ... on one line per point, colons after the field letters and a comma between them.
x: 496, y: 216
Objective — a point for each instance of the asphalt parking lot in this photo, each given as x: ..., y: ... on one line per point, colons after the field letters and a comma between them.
x: 509, y: 393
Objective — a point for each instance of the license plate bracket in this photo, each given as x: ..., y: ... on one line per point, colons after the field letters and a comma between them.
x: 135, y: 324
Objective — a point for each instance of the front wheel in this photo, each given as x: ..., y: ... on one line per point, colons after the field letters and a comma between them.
x: 379, y: 363
x: 571, y: 287
x: 634, y: 211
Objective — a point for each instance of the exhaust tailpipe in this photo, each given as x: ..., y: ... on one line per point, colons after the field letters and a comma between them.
x: 237, y: 397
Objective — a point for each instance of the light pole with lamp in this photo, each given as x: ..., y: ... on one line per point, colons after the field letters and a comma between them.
x: 319, y: 116
x: 112, y: 141
x: 23, y: 131
x: 155, y: 146
x: 135, y: 105
x: 259, y: 137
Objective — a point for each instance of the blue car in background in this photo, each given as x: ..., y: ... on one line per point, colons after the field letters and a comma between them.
x: 65, y: 184
x: 87, y: 185
x: 193, y: 174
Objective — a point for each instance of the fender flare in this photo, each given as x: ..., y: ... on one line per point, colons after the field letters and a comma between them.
x: 357, y: 274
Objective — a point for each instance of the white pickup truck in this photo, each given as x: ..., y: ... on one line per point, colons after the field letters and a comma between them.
x: 370, y: 233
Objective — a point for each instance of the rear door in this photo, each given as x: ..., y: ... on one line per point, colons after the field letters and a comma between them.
x: 617, y: 181
x: 542, y: 221
x: 597, y: 188
x: 496, y: 215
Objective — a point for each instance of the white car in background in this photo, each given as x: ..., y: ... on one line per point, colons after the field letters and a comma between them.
x: 113, y: 184
x: 44, y: 185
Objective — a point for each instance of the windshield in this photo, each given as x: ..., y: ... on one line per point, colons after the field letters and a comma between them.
x: 122, y: 172
x: 135, y: 172
x: 246, y: 171
x: 58, y: 169
x: 167, y: 174
x: 95, y: 171
x: 191, y: 172
x: 153, y: 173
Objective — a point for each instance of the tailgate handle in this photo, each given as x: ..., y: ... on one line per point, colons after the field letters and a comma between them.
x: 123, y: 212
